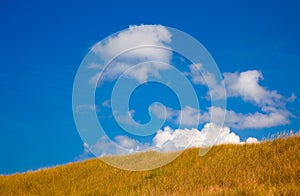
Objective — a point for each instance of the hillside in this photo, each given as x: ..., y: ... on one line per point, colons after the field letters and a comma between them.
x: 267, y: 168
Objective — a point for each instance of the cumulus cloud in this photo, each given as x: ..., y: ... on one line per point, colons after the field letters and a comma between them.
x: 136, y: 36
x: 190, y: 116
x: 141, y: 72
x: 126, y: 118
x: 167, y: 140
x: 119, y: 146
x: 251, y: 140
x: 170, y: 140
x: 131, y: 145
x: 273, y: 105
x: 239, y: 84
x: 205, y: 78
x: 137, y: 44
x: 252, y: 120
x: 162, y: 112
x: 104, y: 146
x: 246, y: 85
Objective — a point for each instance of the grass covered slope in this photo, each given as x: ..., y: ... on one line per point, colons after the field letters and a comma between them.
x: 253, y: 169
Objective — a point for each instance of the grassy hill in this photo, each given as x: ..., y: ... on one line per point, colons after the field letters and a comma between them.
x: 268, y: 168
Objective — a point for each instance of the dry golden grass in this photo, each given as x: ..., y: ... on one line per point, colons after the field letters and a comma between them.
x: 268, y: 168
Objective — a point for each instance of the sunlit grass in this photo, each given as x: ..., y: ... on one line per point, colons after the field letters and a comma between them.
x: 267, y: 168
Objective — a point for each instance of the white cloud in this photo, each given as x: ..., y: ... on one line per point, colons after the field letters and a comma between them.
x: 104, y: 146
x: 190, y: 117
x: 94, y: 66
x: 239, y: 84
x: 131, y: 47
x: 143, y: 71
x: 195, y: 74
x: 125, y: 142
x: 86, y: 108
x: 225, y: 136
x: 135, y: 36
x: 292, y: 98
x: 94, y: 80
x: 106, y: 103
x: 165, y: 140
x: 131, y: 144
x: 85, y: 154
x: 246, y: 85
x: 200, y: 76
x: 126, y: 118
x: 273, y: 112
x: 171, y: 140
x: 252, y: 120
x: 162, y: 112
x: 251, y: 140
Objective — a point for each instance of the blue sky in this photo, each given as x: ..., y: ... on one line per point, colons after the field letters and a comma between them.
x: 43, y: 44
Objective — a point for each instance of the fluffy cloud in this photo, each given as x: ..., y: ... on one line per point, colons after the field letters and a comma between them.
x: 137, y: 44
x: 162, y: 112
x: 251, y: 140
x: 136, y: 36
x: 130, y: 144
x: 273, y: 105
x: 126, y: 118
x: 200, y: 76
x: 246, y: 85
x: 190, y: 117
x: 94, y: 80
x: 141, y: 72
x: 252, y: 120
x: 167, y: 140
x: 170, y: 140
x: 104, y: 146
